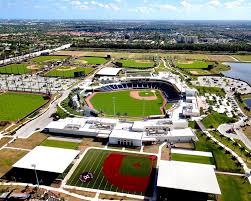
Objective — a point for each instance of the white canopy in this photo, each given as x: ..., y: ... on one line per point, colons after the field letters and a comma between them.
x: 109, y: 71
x: 188, y: 176
x: 47, y: 159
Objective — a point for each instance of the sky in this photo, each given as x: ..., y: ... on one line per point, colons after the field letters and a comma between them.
x: 127, y: 9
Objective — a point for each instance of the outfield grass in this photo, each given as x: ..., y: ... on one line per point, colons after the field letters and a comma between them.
x: 93, y: 162
x: 194, y: 65
x: 136, y: 64
x: 192, y: 158
x: 14, y: 106
x: 92, y: 60
x: 49, y: 58
x: 67, y: 71
x: 210, y: 90
x: 124, y: 104
x: 234, y: 188
x: 214, y: 120
x: 17, y: 69
x: 223, y: 161
x: 60, y: 144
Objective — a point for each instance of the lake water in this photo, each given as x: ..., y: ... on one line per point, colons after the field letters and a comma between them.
x: 248, y: 102
x: 239, y: 71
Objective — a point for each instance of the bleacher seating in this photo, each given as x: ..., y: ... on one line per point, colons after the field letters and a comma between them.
x: 167, y: 88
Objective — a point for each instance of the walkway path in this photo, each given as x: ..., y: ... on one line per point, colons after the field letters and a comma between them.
x: 238, y: 158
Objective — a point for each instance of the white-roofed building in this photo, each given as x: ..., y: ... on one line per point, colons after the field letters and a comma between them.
x: 125, y: 133
x: 48, y: 159
x: 186, y: 181
x: 108, y: 71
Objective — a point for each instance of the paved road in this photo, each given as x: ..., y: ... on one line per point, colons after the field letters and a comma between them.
x: 42, y: 120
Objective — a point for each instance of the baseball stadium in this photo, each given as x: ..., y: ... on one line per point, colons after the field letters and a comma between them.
x: 134, y: 97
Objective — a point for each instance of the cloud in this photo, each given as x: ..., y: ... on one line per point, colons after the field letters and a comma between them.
x: 94, y: 4
x: 214, y: 3
x: 234, y: 4
x: 186, y: 4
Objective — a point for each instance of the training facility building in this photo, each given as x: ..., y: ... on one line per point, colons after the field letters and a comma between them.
x: 179, y: 181
x: 48, y: 162
x: 125, y: 133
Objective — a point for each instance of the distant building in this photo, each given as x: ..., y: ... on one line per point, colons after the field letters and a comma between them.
x: 187, y: 39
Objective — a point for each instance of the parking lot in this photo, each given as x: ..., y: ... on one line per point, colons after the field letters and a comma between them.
x: 34, y: 83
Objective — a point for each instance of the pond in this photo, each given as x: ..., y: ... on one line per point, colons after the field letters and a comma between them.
x: 240, y: 71
x: 248, y: 102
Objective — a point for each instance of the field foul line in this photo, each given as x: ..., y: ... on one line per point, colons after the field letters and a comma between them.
x: 90, y: 167
x: 73, y: 179
x: 101, y: 160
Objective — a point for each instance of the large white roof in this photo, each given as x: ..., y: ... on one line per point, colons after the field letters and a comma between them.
x: 109, y: 71
x: 188, y: 176
x: 47, y: 159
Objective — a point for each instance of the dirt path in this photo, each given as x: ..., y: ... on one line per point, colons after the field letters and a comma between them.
x: 135, y: 95
x: 88, y: 100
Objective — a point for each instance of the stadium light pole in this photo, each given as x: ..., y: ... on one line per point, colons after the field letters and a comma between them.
x: 34, y: 166
x: 114, y: 107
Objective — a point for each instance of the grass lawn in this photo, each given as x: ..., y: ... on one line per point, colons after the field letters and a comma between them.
x: 8, y: 158
x: 4, y: 140
x: 234, y: 188
x: 210, y: 90
x: 94, y: 161
x: 68, y: 71
x: 243, y: 57
x: 193, y: 65
x: 124, y: 104
x: 223, y: 161
x: 215, y: 119
x: 92, y: 60
x: 60, y: 144
x: 14, y: 106
x: 30, y: 143
x: 17, y: 69
x: 49, y: 58
x: 168, y: 106
x: 136, y: 64
x: 146, y: 55
x: 247, y: 131
x: 192, y: 158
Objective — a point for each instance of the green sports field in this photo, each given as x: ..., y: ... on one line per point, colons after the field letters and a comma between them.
x: 68, y: 71
x: 60, y: 144
x: 14, y: 106
x: 132, y: 165
x: 49, y: 58
x: 192, y: 158
x: 193, y: 65
x: 92, y: 60
x: 17, y: 69
x: 125, y: 104
x: 142, y: 64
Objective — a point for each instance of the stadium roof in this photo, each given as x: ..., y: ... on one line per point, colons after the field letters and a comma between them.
x: 188, y: 176
x: 47, y: 159
x: 109, y: 71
